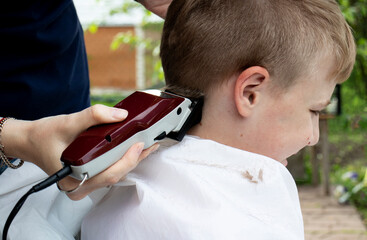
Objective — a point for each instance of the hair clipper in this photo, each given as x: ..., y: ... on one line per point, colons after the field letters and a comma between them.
x: 153, y: 115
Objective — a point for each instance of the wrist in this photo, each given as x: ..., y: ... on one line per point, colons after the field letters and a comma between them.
x: 4, y: 158
x: 3, y: 122
x: 13, y: 137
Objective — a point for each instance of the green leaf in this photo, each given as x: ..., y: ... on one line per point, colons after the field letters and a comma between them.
x: 93, y: 28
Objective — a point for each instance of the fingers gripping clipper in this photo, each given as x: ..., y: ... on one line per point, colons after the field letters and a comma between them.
x: 153, y: 115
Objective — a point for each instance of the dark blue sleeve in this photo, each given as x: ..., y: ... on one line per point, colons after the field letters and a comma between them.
x: 43, y: 62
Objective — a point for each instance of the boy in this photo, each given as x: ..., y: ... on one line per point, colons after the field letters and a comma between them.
x: 266, y: 69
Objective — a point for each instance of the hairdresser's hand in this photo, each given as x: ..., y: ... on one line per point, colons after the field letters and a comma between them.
x: 43, y: 141
x: 110, y: 176
x: 158, y: 7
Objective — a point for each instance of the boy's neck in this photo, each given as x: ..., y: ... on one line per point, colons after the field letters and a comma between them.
x: 220, y: 120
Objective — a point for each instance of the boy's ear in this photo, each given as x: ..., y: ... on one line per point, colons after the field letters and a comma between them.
x: 248, y: 89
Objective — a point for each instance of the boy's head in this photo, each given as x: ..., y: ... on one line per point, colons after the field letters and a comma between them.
x: 265, y: 67
x: 207, y: 41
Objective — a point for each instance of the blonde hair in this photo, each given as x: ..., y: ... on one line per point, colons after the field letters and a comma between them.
x: 205, y: 42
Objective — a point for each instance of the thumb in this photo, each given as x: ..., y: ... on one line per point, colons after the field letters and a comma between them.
x: 97, y: 114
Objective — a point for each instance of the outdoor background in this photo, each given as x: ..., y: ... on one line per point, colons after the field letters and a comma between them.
x: 122, y: 41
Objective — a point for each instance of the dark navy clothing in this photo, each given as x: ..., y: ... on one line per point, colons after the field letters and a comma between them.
x: 43, y: 62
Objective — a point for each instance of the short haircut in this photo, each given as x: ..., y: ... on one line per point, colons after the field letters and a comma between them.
x: 205, y: 42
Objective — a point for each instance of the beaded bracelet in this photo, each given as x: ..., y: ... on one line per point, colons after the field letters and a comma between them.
x: 3, y: 157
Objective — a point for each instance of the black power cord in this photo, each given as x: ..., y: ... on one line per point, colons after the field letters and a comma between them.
x: 38, y: 187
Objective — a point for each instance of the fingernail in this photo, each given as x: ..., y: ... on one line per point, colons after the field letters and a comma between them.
x: 139, y: 148
x: 119, y: 113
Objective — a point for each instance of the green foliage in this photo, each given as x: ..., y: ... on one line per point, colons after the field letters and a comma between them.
x: 134, y: 41
x: 93, y: 28
x: 354, y: 91
x: 107, y: 99
x: 348, y: 132
x: 348, y: 177
x: 363, y: 212
x: 307, y: 179
x: 355, y: 12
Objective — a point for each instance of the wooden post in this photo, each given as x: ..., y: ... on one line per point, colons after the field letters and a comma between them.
x: 315, y: 166
x: 325, y: 156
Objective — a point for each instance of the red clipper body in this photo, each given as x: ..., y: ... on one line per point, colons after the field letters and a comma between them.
x: 153, y: 115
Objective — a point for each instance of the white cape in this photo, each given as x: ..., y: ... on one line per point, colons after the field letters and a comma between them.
x: 200, y: 189
x: 48, y: 214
